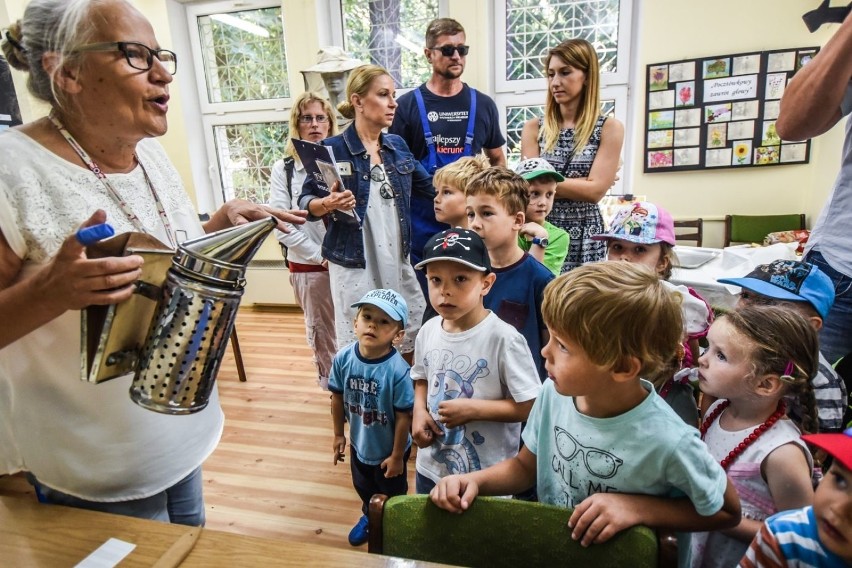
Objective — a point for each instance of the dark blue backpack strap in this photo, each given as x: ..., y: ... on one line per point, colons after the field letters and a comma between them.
x: 430, y: 162
x: 471, y: 120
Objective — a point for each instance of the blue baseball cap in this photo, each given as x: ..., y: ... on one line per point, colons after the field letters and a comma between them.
x: 389, y: 301
x: 789, y: 280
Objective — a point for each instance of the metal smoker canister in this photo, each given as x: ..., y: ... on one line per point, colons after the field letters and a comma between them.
x: 194, y: 318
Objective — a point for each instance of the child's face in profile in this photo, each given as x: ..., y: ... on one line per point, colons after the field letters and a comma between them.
x: 722, y: 369
x: 376, y: 331
x: 489, y: 218
x: 450, y: 206
x: 833, y: 511
x: 455, y: 290
x: 648, y: 255
x: 570, y: 369
x: 542, y: 192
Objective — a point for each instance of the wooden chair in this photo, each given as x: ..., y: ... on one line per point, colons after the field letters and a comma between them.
x: 695, y: 236
x: 498, y: 532
x: 238, y: 356
x: 754, y: 228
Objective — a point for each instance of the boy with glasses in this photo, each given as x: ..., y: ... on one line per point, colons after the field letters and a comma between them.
x: 807, y: 289
x: 443, y: 120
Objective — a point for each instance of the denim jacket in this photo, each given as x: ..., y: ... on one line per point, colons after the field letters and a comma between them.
x: 344, y: 239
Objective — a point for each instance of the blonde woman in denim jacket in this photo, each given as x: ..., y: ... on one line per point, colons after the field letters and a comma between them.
x: 379, y: 176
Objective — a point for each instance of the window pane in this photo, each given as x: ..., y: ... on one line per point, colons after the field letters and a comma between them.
x: 534, y: 26
x: 246, y: 153
x: 516, y: 116
x: 244, y: 55
x: 390, y: 33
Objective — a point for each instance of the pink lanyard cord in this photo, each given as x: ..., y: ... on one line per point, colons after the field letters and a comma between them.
x: 122, y: 204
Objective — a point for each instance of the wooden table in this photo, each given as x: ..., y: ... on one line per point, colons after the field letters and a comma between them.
x: 32, y: 534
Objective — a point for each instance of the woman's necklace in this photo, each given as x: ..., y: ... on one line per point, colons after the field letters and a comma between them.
x: 751, y: 438
x: 113, y: 193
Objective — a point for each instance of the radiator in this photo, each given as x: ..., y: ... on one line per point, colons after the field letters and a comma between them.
x: 268, y: 282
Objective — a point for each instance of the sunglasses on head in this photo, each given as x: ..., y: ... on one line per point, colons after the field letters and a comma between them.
x: 448, y: 50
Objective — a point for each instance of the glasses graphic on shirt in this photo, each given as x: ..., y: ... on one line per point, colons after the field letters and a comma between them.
x: 377, y: 174
x: 448, y: 50
x: 599, y: 463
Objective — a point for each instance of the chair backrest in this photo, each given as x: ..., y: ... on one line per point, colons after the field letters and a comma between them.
x: 690, y: 231
x: 754, y: 228
x: 498, y: 532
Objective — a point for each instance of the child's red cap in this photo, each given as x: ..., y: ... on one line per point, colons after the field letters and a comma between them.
x: 839, y: 446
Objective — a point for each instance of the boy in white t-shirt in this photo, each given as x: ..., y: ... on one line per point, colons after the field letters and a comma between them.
x: 599, y: 439
x: 474, y: 376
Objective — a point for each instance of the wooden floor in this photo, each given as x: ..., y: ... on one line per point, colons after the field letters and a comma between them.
x: 272, y: 474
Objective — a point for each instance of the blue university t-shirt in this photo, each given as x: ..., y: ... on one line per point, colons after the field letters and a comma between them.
x: 372, y: 389
x: 448, y: 118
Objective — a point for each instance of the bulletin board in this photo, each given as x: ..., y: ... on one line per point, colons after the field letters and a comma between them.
x: 719, y: 112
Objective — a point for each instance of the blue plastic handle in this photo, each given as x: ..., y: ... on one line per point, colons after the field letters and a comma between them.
x: 90, y: 235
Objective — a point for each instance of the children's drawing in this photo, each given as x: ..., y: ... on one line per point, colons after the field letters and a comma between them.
x: 742, y: 153
x: 660, y: 159
x: 715, y: 68
x: 658, y: 78
x: 717, y: 113
x: 661, y: 119
x: 770, y: 136
x: 766, y: 155
x: 717, y: 135
x: 660, y: 139
x: 685, y: 94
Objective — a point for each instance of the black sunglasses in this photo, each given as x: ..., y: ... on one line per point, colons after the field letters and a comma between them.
x: 448, y: 50
x: 377, y: 174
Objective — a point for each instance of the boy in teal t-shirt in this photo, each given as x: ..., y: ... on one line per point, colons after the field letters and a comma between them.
x: 545, y: 242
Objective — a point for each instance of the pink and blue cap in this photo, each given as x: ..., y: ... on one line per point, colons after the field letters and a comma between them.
x: 641, y: 222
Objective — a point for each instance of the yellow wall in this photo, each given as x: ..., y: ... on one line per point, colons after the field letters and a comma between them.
x: 728, y: 27
x: 718, y: 28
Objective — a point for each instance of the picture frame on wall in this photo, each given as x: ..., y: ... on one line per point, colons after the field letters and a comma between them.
x: 719, y: 111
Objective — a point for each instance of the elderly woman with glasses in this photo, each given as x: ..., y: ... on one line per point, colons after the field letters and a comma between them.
x: 312, y: 119
x: 98, y: 64
x: 370, y: 248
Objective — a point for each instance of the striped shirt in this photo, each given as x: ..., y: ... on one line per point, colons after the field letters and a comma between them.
x: 830, y: 393
x: 790, y: 540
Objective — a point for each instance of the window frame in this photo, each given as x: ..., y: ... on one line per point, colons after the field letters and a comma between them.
x: 334, y: 27
x: 614, y: 86
x: 211, y: 115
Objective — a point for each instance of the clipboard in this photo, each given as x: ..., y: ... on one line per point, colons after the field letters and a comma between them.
x: 320, y: 164
x: 112, y: 336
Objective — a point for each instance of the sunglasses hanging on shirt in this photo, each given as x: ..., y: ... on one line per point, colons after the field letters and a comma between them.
x: 377, y: 174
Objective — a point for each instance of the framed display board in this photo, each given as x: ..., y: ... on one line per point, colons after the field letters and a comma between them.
x: 719, y: 112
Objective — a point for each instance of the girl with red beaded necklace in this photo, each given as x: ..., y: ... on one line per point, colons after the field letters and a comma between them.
x: 758, y: 355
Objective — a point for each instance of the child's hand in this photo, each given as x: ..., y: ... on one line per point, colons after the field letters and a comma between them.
x: 455, y: 413
x: 392, y: 466
x: 423, y: 428
x: 339, y: 447
x: 601, y: 516
x: 454, y: 493
x: 531, y: 230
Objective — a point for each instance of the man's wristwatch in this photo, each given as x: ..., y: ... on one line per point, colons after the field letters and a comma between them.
x: 540, y: 242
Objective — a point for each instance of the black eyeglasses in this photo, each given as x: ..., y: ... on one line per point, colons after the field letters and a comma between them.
x: 307, y: 118
x: 377, y: 174
x: 138, y: 55
x: 448, y: 50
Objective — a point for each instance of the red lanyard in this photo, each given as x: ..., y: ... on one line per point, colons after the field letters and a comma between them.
x: 123, y: 205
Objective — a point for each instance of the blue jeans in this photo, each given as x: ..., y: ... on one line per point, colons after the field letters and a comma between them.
x: 835, y: 341
x: 182, y: 503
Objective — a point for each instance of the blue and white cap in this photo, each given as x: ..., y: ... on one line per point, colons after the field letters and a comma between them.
x: 389, y: 301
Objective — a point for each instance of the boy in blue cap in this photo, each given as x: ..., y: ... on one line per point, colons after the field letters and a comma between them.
x: 809, y: 290
x: 371, y: 385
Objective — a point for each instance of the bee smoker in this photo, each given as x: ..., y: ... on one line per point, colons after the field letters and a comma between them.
x: 181, y: 355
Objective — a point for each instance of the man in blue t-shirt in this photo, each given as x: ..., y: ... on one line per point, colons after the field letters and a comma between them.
x: 454, y: 131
